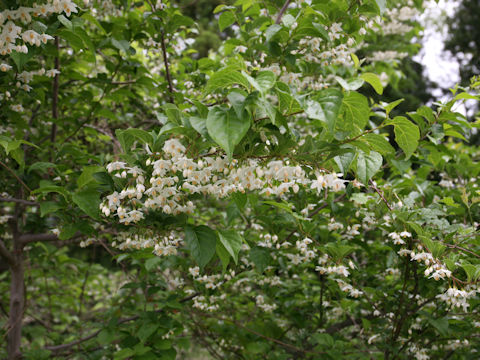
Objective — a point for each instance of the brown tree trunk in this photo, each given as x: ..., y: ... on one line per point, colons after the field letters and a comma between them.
x: 17, y: 301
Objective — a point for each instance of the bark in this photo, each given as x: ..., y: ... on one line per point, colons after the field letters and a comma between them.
x: 17, y: 303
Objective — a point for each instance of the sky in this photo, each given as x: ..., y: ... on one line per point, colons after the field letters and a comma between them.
x: 439, y: 65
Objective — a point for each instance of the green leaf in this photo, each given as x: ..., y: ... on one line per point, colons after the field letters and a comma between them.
x: 441, y: 325
x: 325, y: 107
x: 406, y: 134
x: 373, y: 80
x: 225, y: 78
x: 223, y: 255
x: 48, y: 207
x: 65, y: 22
x: 226, y: 128
x: 271, y: 31
x: 260, y: 256
x: 88, y: 200
x: 232, y: 241
x: 201, y: 241
x: 142, y: 135
x: 368, y: 165
x: 356, y: 110
x: 263, y: 82
x: 20, y: 59
x: 52, y: 188
x: 123, y: 354
x: 226, y: 19
x: 287, y: 103
x: 378, y: 143
x: 87, y: 175
x: 389, y: 107
x: 344, y: 161
x: 350, y: 84
x: 146, y: 330
x: 199, y: 124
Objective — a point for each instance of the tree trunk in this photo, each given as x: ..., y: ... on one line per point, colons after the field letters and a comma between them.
x: 17, y: 303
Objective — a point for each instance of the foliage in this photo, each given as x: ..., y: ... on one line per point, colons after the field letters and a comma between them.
x: 257, y: 199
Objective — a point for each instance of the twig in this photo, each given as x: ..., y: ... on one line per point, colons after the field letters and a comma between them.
x: 15, y: 175
x: 452, y: 246
x: 59, y: 348
x: 286, y: 115
x: 19, y: 201
x: 282, y: 11
x: 285, y: 345
x: 167, y: 69
x: 372, y: 185
x: 53, y: 135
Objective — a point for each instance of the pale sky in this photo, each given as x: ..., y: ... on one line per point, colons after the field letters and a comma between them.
x: 440, y: 67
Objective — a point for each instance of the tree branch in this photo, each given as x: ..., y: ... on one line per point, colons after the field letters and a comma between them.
x: 167, y: 69
x: 372, y: 185
x: 19, y: 201
x: 6, y: 254
x: 15, y: 175
x: 59, y: 348
x: 53, y: 134
x: 282, y: 11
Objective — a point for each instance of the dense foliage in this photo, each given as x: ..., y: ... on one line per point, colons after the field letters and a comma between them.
x: 184, y: 181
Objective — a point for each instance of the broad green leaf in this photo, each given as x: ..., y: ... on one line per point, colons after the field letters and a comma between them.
x: 355, y: 109
x: 325, y: 107
x: 88, y: 200
x: 350, y: 84
x: 225, y: 78
x: 87, y: 175
x: 271, y: 31
x: 47, y: 207
x: 226, y: 128
x: 344, y: 161
x: 232, y: 241
x: 201, y: 241
x: 226, y: 19
x: 123, y: 354
x: 389, y: 107
x: 223, y: 255
x: 441, y: 325
x: 287, y: 103
x: 263, y: 82
x: 368, y: 165
x: 373, y: 80
x: 141, y: 135
x: 146, y: 330
x: 378, y: 143
x: 260, y: 256
x: 199, y: 124
x: 406, y: 134
x: 52, y: 188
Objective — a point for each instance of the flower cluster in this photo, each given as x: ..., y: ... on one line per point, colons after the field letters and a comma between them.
x: 172, y: 178
x: 10, y: 32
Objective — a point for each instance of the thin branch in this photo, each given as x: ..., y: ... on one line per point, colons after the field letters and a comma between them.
x: 374, y: 187
x: 28, y: 238
x: 19, y: 201
x: 53, y: 134
x: 167, y: 69
x: 286, y: 115
x: 283, y: 344
x: 59, y: 348
x: 452, y: 246
x: 15, y: 175
x: 282, y: 11
x: 6, y: 254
